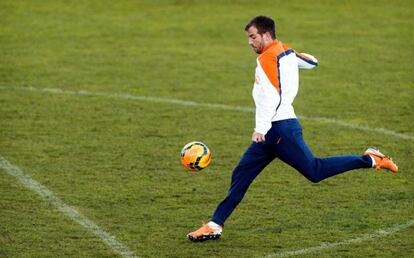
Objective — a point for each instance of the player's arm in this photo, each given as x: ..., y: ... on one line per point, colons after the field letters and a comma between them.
x: 265, y: 111
x: 267, y: 96
x: 306, y: 61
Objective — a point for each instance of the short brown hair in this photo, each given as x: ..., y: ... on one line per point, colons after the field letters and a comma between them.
x: 263, y: 24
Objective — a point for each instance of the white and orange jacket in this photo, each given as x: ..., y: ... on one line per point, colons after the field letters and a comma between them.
x: 277, y: 83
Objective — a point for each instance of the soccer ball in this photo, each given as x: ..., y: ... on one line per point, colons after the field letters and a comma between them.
x: 195, y: 156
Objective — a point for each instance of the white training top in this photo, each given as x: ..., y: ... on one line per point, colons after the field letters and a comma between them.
x: 277, y: 83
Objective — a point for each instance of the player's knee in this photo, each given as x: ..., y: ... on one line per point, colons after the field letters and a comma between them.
x: 311, y: 171
x: 314, y: 178
x: 312, y: 175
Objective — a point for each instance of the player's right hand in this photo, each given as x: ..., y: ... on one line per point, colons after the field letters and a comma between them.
x: 258, y: 137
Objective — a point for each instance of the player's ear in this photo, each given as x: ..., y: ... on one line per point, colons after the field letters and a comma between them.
x: 267, y: 36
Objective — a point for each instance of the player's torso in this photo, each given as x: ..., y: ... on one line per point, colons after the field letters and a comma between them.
x: 277, y: 74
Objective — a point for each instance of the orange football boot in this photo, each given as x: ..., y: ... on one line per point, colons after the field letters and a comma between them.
x: 205, y: 233
x: 381, y: 161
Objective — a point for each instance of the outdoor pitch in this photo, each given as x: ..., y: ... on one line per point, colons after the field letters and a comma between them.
x: 97, y: 99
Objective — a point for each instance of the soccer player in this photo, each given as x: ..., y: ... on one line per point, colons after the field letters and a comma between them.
x: 278, y: 133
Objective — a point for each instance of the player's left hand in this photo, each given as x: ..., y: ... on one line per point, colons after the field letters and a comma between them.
x: 258, y: 137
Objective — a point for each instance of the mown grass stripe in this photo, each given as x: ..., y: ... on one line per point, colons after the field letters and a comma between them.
x: 67, y: 210
x: 210, y: 105
x: 323, y: 246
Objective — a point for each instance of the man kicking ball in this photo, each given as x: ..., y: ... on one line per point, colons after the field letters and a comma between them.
x: 278, y: 133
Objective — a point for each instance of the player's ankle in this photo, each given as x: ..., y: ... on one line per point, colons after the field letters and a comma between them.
x: 216, y: 227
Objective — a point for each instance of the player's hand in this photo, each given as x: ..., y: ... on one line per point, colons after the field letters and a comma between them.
x: 258, y: 137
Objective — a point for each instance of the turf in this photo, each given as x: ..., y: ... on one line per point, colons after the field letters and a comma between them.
x: 116, y: 160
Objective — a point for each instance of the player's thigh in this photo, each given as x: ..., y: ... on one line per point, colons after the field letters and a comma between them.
x: 293, y: 150
x: 256, y: 157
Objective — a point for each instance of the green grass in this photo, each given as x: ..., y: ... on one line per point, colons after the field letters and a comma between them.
x: 116, y: 160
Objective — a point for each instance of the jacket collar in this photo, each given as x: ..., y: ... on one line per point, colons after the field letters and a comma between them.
x: 273, y: 43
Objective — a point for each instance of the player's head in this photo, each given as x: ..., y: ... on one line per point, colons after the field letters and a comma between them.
x: 261, y: 31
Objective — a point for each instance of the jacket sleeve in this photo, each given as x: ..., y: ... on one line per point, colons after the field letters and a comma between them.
x: 306, y: 61
x: 266, y: 93
x: 266, y: 108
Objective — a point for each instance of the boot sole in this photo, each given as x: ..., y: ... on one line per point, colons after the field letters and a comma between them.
x: 204, y: 238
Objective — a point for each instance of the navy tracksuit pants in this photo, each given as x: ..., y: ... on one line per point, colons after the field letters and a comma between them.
x: 284, y: 141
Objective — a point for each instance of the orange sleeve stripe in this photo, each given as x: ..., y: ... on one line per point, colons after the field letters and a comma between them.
x: 269, y: 65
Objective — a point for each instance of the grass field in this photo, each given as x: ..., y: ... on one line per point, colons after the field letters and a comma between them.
x: 114, y: 158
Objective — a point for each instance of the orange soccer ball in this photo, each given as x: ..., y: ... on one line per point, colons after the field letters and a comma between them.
x: 195, y: 156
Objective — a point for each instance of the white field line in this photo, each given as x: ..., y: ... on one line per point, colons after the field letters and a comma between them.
x: 70, y: 212
x: 325, y: 246
x: 209, y: 105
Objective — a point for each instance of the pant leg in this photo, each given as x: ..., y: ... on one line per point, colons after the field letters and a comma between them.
x: 254, y: 160
x: 293, y: 150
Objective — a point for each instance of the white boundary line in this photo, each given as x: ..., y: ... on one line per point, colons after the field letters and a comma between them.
x: 119, y: 247
x: 70, y: 212
x: 325, y: 246
x: 208, y: 105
